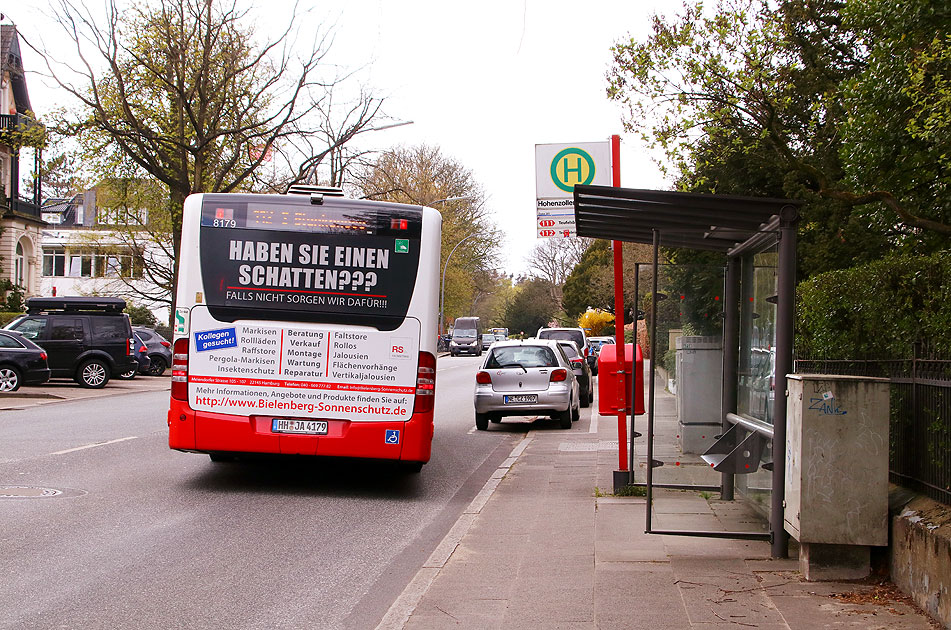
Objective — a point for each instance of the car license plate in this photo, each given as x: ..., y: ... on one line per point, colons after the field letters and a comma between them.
x: 521, y: 398
x: 305, y: 427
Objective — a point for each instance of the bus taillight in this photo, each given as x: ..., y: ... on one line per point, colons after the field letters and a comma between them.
x: 180, y: 369
x: 425, y: 383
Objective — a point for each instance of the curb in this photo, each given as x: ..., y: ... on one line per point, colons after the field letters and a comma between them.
x: 405, y: 605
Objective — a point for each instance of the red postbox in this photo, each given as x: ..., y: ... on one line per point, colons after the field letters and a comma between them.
x: 608, y: 379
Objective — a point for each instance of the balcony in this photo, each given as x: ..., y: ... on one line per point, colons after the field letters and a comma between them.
x: 19, y: 208
x: 18, y: 122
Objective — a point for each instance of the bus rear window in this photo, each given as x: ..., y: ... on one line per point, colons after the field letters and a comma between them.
x: 294, y: 261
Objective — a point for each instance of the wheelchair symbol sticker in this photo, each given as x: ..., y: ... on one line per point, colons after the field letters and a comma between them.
x: 392, y: 436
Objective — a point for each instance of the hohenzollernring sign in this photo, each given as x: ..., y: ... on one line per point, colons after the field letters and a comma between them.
x: 558, y: 167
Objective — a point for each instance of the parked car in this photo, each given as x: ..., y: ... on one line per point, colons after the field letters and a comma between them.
x: 87, y: 339
x: 22, y: 362
x: 159, y: 349
x: 530, y: 377
x: 594, y: 345
x: 141, y: 357
x: 570, y: 334
x: 582, y: 372
x: 487, y: 340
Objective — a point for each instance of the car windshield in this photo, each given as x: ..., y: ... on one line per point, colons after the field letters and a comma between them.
x: 464, y: 333
x: 522, y: 356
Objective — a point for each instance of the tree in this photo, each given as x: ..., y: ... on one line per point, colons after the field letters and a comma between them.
x: 596, y: 321
x: 179, y: 89
x: 141, y: 316
x: 422, y: 175
x: 531, y: 308
x: 135, y: 227
x: 553, y: 259
x: 493, y: 292
x: 803, y: 82
x: 585, y: 287
x: 591, y: 282
x: 60, y: 176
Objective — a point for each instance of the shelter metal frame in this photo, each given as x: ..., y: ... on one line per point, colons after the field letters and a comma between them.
x: 734, y: 226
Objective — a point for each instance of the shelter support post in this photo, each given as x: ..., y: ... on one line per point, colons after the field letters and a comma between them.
x: 731, y: 328
x: 650, y: 387
x: 785, y: 312
x: 633, y: 392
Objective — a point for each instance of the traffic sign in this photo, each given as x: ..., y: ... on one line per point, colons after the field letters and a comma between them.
x: 558, y: 168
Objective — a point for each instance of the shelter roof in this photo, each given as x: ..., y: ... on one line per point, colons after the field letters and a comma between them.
x: 694, y: 220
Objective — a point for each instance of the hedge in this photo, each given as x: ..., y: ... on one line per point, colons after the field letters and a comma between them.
x: 879, y: 310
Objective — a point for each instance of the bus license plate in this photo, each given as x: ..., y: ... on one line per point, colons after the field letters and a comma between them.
x: 306, y: 427
x: 521, y: 398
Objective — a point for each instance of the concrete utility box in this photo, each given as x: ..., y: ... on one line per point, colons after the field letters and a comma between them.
x: 699, y: 372
x: 836, y: 492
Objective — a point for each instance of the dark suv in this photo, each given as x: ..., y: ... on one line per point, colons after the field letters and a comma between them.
x: 86, y: 338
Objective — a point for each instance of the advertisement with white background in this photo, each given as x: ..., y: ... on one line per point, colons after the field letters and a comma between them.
x: 302, y: 371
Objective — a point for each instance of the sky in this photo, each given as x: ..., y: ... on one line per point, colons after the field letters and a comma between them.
x: 483, y: 81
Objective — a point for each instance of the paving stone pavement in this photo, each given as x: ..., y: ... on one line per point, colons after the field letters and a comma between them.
x: 543, y: 547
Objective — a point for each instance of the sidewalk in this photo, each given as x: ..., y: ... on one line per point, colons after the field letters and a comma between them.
x: 538, y: 549
x: 67, y: 389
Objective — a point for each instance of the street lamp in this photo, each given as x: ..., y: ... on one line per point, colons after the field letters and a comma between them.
x: 442, y: 291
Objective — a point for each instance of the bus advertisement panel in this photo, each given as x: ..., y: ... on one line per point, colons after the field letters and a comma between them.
x: 305, y: 327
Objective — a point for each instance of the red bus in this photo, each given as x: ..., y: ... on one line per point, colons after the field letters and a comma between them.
x: 305, y: 324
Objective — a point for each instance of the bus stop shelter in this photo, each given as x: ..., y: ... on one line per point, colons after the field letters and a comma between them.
x: 734, y: 226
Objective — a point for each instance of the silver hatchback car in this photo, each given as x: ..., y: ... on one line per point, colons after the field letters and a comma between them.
x: 522, y: 378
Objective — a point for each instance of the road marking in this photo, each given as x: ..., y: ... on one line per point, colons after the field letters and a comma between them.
x: 94, y: 445
x: 405, y: 605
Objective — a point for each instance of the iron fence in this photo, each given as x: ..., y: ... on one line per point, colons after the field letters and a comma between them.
x: 919, y: 417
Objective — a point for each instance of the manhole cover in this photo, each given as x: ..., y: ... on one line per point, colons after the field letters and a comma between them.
x: 27, y: 492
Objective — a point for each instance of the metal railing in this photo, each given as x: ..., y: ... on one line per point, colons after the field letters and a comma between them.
x: 919, y: 417
x: 21, y: 207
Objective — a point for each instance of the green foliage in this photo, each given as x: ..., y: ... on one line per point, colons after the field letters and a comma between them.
x: 876, y: 310
x: 840, y: 102
x: 694, y: 281
x: 13, y: 295
x: 28, y: 132
x: 424, y: 175
x: 669, y: 362
x: 531, y: 308
x: 582, y: 289
x: 896, y: 137
x: 141, y: 316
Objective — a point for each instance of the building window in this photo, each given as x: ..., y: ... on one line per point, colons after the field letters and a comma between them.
x: 19, y: 267
x: 81, y: 266
x: 122, y: 216
x: 54, y: 262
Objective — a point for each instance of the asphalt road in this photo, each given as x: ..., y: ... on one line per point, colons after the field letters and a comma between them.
x: 143, y: 537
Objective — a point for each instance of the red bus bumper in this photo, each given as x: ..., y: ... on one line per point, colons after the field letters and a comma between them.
x: 206, y: 432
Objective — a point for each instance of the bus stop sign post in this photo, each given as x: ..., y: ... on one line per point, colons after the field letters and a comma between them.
x: 622, y: 476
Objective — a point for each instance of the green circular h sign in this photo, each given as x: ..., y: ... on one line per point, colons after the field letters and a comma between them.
x: 570, y: 167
